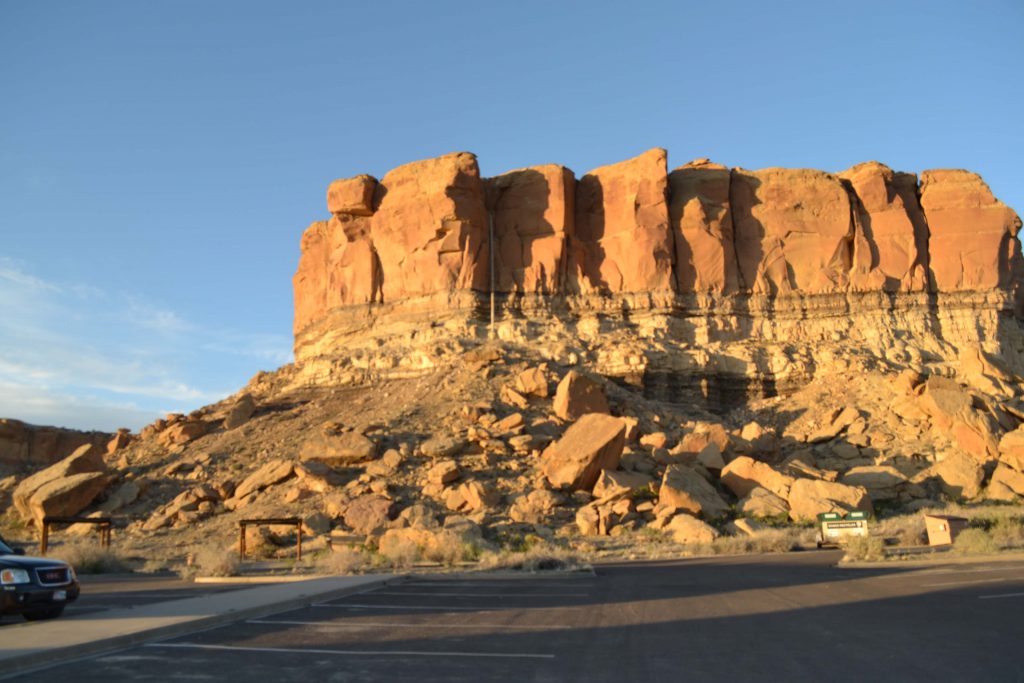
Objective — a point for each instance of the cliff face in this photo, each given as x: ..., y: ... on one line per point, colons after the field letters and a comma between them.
x: 677, y: 279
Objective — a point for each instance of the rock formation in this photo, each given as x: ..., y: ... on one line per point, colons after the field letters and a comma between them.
x: 751, y: 282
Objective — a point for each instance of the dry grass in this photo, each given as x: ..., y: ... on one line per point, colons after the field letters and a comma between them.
x: 91, y: 558
x: 211, y: 561
x: 343, y: 561
x: 781, y: 540
x: 539, y: 557
x: 864, y: 549
x: 399, y: 553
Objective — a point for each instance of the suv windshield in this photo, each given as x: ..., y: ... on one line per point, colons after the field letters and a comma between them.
x: 5, y: 549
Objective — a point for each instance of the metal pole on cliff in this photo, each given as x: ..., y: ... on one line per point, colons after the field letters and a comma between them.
x: 490, y: 250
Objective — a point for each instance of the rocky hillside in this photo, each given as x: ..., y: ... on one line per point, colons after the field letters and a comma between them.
x: 672, y: 353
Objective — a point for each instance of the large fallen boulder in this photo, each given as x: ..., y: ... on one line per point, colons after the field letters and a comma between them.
x: 689, y: 530
x: 743, y: 474
x: 810, y: 497
x: 958, y: 475
x: 578, y: 395
x: 338, y: 448
x: 86, y: 459
x: 761, y: 502
x: 593, y: 443
x: 369, y: 513
x: 66, y: 496
x: 272, y: 473
x: 685, y: 489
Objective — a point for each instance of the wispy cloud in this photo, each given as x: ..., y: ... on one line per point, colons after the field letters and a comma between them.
x: 68, y: 350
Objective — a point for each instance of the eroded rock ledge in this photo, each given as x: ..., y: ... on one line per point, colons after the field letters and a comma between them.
x: 724, y: 280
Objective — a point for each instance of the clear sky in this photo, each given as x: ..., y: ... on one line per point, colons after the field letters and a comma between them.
x: 159, y: 160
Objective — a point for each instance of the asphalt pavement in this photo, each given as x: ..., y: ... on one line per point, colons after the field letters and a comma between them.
x: 782, y: 617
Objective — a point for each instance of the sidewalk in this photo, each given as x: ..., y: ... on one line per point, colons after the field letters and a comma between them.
x: 34, y: 644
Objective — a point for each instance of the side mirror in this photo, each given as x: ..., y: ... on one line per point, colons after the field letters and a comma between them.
x: 19, y: 551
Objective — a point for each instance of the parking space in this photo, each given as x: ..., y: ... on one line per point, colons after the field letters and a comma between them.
x: 782, y: 617
x: 101, y: 594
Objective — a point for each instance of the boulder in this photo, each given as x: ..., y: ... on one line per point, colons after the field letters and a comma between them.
x: 338, y: 448
x: 274, y: 472
x: 1011, y: 449
x: 957, y: 474
x: 430, y: 229
x: 353, y: 196
x: 683, y: 488
x: 316, y: 476
x: 743, y: 474
x: 442, y: 446
x: 443, y: 473
x: 66, y: 496
x: 240, y: 412
x: 622, y: 240
x: 972, y: 240
x: 793, y: 231
x: 184, y: 431
x: 1009, y: 478
x: 368, y: 513
x: 890, y: 250
x: 535, y: 506
x: 121, y: 439
x: 533, y: 214
x: 126, y: 494
x: 86, y: 459
x: 593, y: 443
x: 881, y: 481
x: 761, y: 502
x: 701, y: 223
x: 688, y: 530
x: 472, y: 496
x: 316, y: 524
x: 533, y: 382
x: 810, y: 497
x: 614, y: 483
x: 578, y: 395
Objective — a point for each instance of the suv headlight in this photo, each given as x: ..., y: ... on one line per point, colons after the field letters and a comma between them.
x: 11, y: 576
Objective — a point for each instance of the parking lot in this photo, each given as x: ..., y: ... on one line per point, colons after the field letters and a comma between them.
x: 771, y: 617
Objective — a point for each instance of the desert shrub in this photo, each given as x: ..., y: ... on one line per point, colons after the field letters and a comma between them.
x: 1008, y: 533
x: 864, y: 549
x: 540, y: 557
x: 780, y: 540
x: 212, y: 561
x: 975, y: 541
x: 399, y: 553
x: 91, y: 558
x: 344, y: 560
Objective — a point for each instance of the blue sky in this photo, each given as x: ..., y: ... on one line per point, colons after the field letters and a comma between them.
x: 159, y: 160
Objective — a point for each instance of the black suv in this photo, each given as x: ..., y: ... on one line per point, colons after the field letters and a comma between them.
x: 34, y: 587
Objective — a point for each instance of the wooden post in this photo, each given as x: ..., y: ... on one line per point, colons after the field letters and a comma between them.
x: 241, y: 540
x: 44, y: 541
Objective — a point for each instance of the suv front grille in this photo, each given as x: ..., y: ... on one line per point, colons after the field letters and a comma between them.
x: 53, y: 576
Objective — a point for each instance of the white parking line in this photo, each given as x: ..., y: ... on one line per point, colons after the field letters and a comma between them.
x: 1002, y: 595
x: 463, y: 608
x: 357, y: 653
x: 366, y: 624
x: 927, y: 572
x: 963, y: 583
x: 487, y: 595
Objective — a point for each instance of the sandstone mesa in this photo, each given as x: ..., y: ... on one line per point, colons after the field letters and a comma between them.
x: 704, y: 342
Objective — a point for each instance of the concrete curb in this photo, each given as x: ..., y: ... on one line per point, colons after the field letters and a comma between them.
x: 45, y: 657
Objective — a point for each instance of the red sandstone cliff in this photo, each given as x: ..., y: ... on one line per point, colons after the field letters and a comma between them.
x: 633, y: 227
